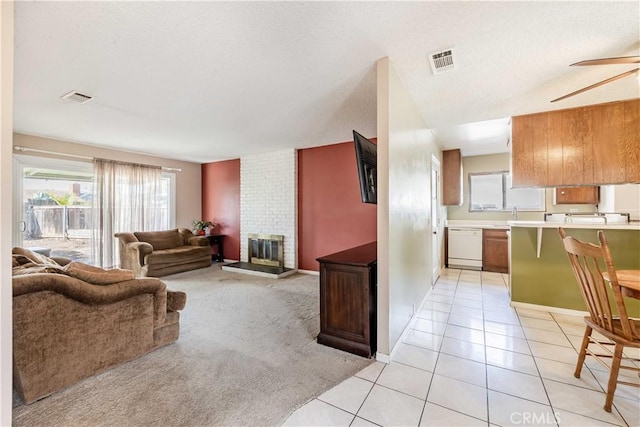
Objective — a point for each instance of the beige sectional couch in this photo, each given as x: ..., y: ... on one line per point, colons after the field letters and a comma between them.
x: 73, y: 321
x: 158, y: 253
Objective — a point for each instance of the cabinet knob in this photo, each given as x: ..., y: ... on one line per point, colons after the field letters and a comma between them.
x: 562, y: 192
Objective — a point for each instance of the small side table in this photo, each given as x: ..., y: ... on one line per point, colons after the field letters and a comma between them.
x: 217, y: 239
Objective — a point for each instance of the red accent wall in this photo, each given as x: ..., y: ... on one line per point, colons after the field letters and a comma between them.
x: 221, y: 202
x: 331, y: 216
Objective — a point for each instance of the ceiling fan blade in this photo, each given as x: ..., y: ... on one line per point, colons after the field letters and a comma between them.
x: 609, y: 61
x: 595, y: 85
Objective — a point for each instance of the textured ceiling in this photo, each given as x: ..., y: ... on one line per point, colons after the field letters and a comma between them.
x: 206, y: 81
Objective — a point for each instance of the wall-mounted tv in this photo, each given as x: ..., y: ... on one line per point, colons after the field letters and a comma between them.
x: 367, y: 160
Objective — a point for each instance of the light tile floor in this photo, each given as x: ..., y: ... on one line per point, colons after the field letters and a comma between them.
x: 470, y: 359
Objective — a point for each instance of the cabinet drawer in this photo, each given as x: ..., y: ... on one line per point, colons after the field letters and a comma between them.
x: 499, y: 234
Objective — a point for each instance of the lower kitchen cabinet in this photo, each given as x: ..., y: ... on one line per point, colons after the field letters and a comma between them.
x: 495, y: 251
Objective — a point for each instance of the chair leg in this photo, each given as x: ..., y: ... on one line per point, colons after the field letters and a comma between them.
x: 583, y: 351
x: 613, y: 376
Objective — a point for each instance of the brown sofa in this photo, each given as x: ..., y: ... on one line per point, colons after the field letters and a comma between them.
x: 158, y: 253
x: 66, y: 328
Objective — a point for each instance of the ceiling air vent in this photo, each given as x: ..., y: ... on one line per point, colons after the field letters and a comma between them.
x: 442, y: 61
x: 76, y: 97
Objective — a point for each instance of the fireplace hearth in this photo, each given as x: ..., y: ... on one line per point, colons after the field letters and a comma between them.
x: 265, y: 256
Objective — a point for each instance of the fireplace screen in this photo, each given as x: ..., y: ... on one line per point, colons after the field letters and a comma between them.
x: 266, y: 249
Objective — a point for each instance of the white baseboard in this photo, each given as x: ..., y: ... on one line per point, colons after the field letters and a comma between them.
x: 389, y: 357
x: 311, y: 272
x: 557, y: 310
x: 384, y: 358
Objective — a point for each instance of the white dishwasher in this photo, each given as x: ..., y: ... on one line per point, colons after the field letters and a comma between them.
x: 465, y: 248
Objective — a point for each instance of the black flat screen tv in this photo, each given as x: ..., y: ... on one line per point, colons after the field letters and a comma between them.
x: 367, y: 160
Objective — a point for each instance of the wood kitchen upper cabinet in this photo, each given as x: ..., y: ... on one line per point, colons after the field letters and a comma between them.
x: 451, y: 177
x: 577, y: 195
x: 569, y: 141
x: 597, y: 144
x: 631, y: 136
x: 529, y: 150
x: 607, y: 125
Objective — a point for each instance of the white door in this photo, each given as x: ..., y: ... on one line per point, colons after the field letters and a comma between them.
x: 436, y: 237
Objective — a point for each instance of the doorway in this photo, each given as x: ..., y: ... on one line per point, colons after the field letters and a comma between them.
x: 436, y: 230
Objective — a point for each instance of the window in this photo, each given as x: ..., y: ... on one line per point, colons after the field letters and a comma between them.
x: 167, y: 199
x: 493, y: 192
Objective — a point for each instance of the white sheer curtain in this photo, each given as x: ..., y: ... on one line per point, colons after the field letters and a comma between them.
x: 124, y: 200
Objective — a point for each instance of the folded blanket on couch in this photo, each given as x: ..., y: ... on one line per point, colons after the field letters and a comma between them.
x: 26, y: 261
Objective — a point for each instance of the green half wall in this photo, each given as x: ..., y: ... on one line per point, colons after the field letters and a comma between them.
x: 549, y: 280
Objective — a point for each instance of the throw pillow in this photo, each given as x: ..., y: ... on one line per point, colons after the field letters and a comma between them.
x: 160, y: 239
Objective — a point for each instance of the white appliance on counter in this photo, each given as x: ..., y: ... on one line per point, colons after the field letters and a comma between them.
x: 621, y: 198
x: 587, y: 218
x: 465, y: 248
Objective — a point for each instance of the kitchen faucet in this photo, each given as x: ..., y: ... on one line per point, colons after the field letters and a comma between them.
x: 514, y: 213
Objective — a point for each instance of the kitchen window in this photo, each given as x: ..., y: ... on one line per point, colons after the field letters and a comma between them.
x: 492, y: 192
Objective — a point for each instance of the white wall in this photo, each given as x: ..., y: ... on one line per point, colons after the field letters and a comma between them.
x: 6, y: 126
x: 188, y: 181
x: 405, y: 146
x: 623, y: 198
x: 269, y: 200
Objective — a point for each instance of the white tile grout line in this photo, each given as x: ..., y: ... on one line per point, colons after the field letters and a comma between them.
x: 437, y: 358
x: 367, y: 396
x: 555, y: 417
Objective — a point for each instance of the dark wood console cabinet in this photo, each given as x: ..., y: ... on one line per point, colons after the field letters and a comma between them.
x: 348, y: 281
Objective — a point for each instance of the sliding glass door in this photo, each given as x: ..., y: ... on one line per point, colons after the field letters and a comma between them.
x: 52, y: 206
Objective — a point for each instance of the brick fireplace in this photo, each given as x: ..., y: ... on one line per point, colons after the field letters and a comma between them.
x: 268, y: 207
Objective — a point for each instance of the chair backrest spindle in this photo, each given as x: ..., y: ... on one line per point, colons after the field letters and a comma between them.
x: 628, y: 326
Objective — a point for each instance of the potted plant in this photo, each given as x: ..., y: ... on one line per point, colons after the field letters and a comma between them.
x: 201, y: 227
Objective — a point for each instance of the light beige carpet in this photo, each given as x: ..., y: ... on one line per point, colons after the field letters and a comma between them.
x: 246, y: 355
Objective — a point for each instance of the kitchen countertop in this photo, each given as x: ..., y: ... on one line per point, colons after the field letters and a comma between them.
x: 477, y: 224
x: 540, y: 226
x: 505, y: 225
x: 543, y: 224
